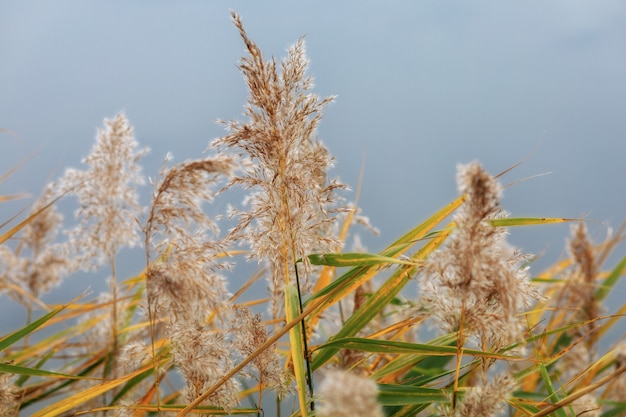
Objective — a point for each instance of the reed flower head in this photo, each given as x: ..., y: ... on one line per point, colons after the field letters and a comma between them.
x: 9, y: 395
x: 203, y: 357
x: 488, y: 400
x: 585, y: 406
x: 10, y: 265
x: 107, y: 195
x: 46, y: 265
x: 183, y: 282
x: 576, y: 301
x: 343, y: 394
x: 291, y: 198
x: 579, y: 291
x: 133, y: 354
x: 38, y: 264
x: 249, y: 333
x: 475, y: 282
x: 581, y: 250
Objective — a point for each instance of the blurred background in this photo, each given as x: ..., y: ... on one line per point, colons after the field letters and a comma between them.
x: 421, y: 86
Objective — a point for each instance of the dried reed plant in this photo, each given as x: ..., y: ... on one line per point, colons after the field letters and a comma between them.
x: 285, y: 172
x: 39, y: 263
x: 182, y: 283
x: 181, y: 275
x: 108, y: 201
x: 175, y: 339
x: 477, y: 284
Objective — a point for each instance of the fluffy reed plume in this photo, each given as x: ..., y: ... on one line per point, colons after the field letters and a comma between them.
x: 475, y: 284
x: 203, y: 357
x: 475, y: 287
x: 9, y: 395
x: 290, y: 198
x: 343, y: 394
x: 484, y: 401
x: 182, y: 282
x: 585, y: 406
x: 107, y: 196
x: 46, y: 265
x: 579, y: 292
x: 249, y: 333
x: 38, y: 263
x: 576, y: 302
x: 133, y: 355
x: 108, y: 205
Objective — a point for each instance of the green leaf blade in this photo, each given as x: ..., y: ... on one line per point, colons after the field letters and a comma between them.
x: 296, y: 345
x: 400, y: 395
x: 28, y: 329
x: 354, y: 259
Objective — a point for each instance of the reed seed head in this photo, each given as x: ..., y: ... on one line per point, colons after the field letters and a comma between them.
x: 9, y: 395
x: 475, y: 281
x: 488, y: 400
x: 343, y: 394
x: 107, y: 195
x: 290, y: 200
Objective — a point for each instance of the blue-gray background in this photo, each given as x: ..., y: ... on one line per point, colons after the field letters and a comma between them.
x: 421, y: 86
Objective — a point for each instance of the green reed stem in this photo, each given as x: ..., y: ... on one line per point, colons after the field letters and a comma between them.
x: 305, y: 343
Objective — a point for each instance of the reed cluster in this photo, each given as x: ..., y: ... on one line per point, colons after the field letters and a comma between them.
x: 336, y: 334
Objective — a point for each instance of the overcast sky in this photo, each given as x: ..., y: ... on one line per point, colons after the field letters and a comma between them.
x: 420, y: 85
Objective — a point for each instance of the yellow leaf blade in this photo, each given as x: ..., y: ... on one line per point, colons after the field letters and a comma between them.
x: 292, y: 310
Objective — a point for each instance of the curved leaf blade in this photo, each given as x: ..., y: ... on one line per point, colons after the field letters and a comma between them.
x: 396, y: 395
x: 391, y: 347
x: 354, y: 259
x: 528, y: 221
x: 7, y: 341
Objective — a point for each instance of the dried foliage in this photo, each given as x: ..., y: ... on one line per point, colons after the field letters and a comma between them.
x: 174, y: 340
